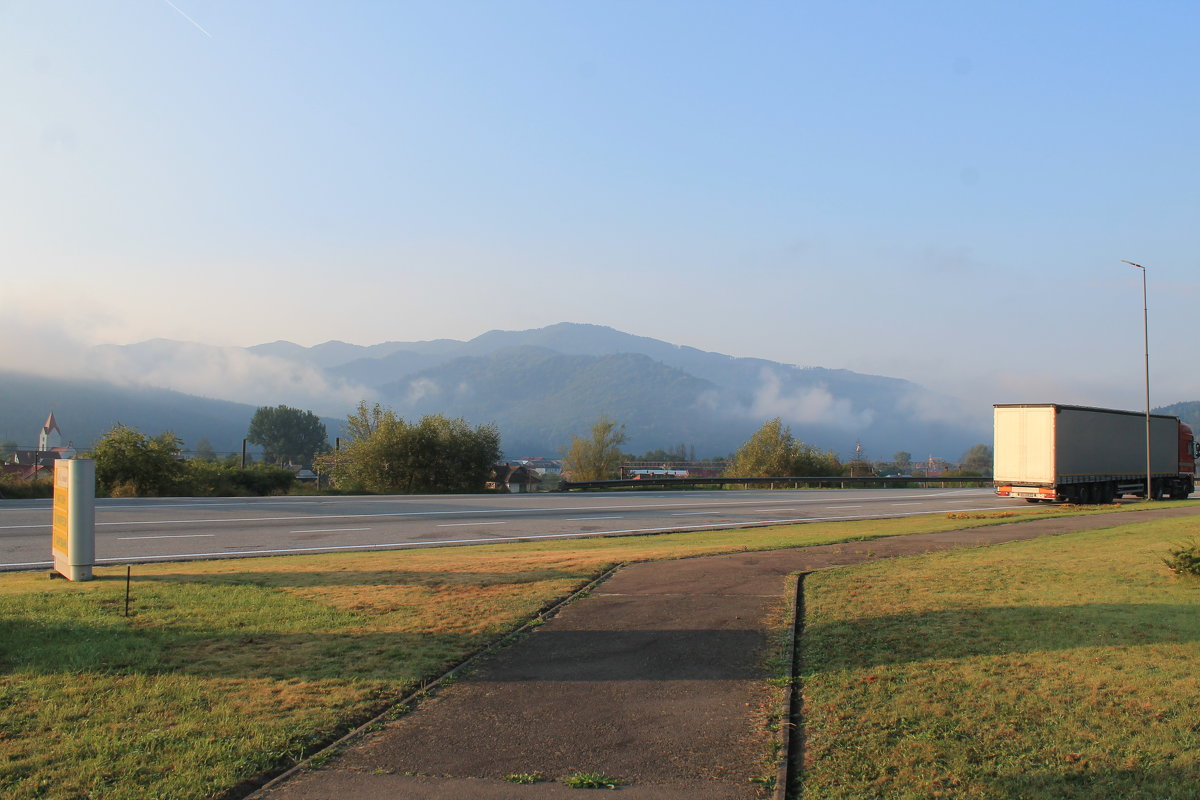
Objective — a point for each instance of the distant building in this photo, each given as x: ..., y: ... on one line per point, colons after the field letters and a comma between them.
x: 23, y: 472
x: 542, y: 466
x: 640, y: 474
x: 303, y: 474
x: 30, y: 464
x: 672, y: 469
x: 513, y: 478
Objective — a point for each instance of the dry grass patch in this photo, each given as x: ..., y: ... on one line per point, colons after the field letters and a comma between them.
x: 488, y: 609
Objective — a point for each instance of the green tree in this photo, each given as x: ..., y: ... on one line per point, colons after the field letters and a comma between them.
x: 902, y: 459
x: 204, y: 451
x: 7, y: 448
x: 772, y: 452
x: 385, y: 454
x: 129, y: 463
x: 287, y: 434
x: 977, y: 460
x: 598, y: 458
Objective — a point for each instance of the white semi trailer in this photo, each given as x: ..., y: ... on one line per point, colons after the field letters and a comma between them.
x: 1076, y: 454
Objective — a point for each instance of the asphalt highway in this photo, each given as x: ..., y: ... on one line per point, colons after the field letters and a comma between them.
x: 167, y: 529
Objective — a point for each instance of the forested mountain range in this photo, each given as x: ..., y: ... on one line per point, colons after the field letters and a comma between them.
x: 544, y: 386
x: 1187, y: 412
x: 540, y: 387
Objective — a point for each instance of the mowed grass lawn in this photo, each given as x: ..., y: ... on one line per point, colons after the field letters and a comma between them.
x: 227, y: 670
x: 1064, y: 667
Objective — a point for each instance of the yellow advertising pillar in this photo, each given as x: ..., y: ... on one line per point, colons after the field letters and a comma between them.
x: 73, y: 540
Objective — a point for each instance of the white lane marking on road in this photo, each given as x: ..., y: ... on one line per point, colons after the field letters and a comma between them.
x: 328, y: 530
x: 580, y: 519
x: 152, y: 506
x: 696, y: 514
x: 298, y: 518
x: 166, y: 536
x: 895, y: 504
x: 465, y: 524
x: 491, y: 539
x: 905, y: 504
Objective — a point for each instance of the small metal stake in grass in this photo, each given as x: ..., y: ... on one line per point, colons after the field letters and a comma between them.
x: 128, y: 573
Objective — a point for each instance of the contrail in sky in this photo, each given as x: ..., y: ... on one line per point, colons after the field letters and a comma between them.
x: 189, y: 19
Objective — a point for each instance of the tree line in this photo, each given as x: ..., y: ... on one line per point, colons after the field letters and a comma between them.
x: 385, y: 454
x: 771, y: 452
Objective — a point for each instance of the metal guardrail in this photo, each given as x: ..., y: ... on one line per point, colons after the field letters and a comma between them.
x: 794, y: 482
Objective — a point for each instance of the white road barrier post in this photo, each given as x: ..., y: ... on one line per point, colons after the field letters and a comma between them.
x: 73, y: 540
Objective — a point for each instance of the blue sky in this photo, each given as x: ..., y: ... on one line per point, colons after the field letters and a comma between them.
x: 937, y: 191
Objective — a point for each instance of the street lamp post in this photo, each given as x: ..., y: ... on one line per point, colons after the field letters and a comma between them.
x: 1146, y: 342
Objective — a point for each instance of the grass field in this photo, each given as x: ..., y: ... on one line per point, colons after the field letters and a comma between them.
x: 1065, y: 667
x: 226, y: 670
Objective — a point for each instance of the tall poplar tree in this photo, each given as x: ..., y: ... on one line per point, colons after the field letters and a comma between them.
x: 597, y: 458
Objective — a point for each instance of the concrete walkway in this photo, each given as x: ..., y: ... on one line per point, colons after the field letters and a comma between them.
x: 654, y: 679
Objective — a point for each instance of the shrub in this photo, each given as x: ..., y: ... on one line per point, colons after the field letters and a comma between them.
x: 387, y: 455
x: 13, y: 489
x: 130, y: 461
x: 211, y: 479
x: 1184, y: 558
x: 264, y: 479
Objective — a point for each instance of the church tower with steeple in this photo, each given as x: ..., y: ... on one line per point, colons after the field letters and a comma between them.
x: 51, y: 436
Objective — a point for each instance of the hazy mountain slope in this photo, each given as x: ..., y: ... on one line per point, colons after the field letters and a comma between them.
x: 236, y: 374
x: 541, y: 399
x: 832, y: 408
x: 545, y: 385
x: 375, y: 372
x: 283, y: 349
x: 1188, y: 413
x: 332, y: 354
x: 744, y: 376
x: 86, y: 409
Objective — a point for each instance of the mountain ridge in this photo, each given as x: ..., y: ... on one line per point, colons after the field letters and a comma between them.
x: 543, y: 386
x: 828, y: 407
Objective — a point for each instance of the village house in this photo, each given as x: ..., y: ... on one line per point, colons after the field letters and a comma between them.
x: 513, y: 478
